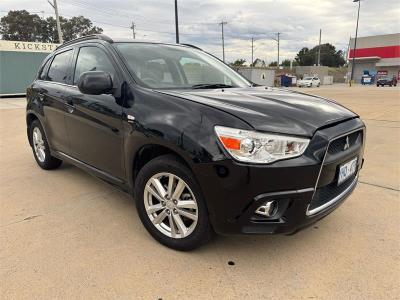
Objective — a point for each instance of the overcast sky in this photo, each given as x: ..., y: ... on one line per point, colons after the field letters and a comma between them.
x: 298, y: 20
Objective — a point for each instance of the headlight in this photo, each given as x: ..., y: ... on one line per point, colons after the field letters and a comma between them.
x: 255, y: 147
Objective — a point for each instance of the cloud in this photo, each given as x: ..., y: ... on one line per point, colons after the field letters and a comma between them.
x: 298, y: 20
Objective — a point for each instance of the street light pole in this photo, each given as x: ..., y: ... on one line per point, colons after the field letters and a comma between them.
x: 176, y: 23
x: 54, y: 5
x: 278, y: 34
x: 355, y: 43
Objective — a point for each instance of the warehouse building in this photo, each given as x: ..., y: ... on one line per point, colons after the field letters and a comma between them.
x: 378, y: 55
x: 19, y: 62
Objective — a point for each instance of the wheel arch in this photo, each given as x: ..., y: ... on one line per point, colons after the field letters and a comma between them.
x: 149, y: 152
x: 30, y: 117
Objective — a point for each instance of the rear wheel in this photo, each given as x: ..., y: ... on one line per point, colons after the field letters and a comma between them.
x: 170, y: 204
x: 41, y: 149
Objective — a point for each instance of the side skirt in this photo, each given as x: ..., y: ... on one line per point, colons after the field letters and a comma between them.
x: 121, y: 184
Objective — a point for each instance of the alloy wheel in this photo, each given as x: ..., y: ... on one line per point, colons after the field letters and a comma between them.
x: 170, y: 205
x: 38, y: 144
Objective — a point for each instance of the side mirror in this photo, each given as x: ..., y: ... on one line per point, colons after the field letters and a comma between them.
x: 95, y: 83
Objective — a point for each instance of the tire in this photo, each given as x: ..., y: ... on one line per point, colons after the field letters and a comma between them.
x: 194, y: 233
x: 40, y: 147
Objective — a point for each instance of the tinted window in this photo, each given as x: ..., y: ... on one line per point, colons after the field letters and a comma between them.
x: 170, y: 67
x: 43, y: 71
x: 92, y: 59
x: 58, y: 71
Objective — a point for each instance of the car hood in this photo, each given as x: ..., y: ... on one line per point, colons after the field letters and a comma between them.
x: 271, y: 109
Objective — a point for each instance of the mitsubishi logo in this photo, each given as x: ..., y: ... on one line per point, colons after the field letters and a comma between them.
x: 347, y: 144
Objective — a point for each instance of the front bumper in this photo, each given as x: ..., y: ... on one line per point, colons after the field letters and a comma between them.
x: 302, y: 84
x: 305, y: 188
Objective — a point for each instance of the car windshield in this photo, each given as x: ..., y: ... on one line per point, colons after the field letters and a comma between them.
x: 308, y: 78
x: 161, y: 66
x: 384, y: 78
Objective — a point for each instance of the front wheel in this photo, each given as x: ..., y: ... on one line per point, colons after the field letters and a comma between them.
x: 41, y: 149
x: 170, y: 204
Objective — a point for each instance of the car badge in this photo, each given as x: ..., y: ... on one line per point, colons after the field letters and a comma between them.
x: 347, y: 144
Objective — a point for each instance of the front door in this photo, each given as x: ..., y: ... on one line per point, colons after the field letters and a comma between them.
x: 94, y: 123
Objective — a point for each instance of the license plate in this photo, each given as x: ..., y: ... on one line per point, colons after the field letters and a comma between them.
x: 346, y: 170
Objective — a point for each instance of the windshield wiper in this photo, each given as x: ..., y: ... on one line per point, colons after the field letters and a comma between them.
x: 211, y: 86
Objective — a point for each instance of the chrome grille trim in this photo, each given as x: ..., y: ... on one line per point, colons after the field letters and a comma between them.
x: 319, y: 208
x: 332, y: 201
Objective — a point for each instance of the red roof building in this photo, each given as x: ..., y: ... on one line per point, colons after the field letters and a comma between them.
x: 379, y: 54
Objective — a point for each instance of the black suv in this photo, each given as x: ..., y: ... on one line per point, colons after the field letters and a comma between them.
x: 199, y: 147
x: 385, y: 80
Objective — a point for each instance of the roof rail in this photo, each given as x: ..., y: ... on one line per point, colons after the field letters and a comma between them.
x: 102, y: 37
x: 192, y: 46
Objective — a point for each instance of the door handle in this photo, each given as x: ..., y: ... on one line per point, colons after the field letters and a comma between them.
x: 130, y: 118
x: 70, y: 106
x: 41, y: 96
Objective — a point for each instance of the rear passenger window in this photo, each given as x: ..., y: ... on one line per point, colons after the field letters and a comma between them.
x: 58, y: 71
x: 43, y: 71
x: 92, y: 59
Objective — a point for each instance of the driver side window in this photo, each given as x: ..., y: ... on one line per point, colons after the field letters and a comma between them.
x: 92, y: 58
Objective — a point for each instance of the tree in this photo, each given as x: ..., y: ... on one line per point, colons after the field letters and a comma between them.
x: 273, y: 64
x: 259, y: 63
x: 239, y: 62
x: 305, y: 57
x: 20, y: 25
x: 23, y: 26
x: 77, y: 27
x: 286, y: 63
x: 329, y: 56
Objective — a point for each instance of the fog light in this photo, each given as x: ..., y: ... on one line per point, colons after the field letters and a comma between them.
x: 268, y: 209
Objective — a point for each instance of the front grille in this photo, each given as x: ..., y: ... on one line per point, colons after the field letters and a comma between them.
x: 338, y: 145
x: 326, y: 193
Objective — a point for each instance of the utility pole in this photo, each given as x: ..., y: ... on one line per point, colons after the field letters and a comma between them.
x: 223, y: 42
x: 355, y: 43
x: 54, y: 5
x: 252, y: 51
x: 176, y: 23
x: 133, y: 30
x: 278, y: 40
x: 319, y: 49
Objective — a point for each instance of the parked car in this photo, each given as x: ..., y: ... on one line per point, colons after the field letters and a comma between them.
x: 385, y: 80
x: 200, y: 148
x: 309, y: 82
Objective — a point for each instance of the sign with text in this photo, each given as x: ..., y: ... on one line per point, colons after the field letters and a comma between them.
x: 20, y: 46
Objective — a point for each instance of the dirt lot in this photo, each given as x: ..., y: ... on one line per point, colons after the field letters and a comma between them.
x: 65, y: 234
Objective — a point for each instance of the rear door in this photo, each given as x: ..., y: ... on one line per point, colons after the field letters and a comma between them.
x: 50, y: 87
x: 95, y: 122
